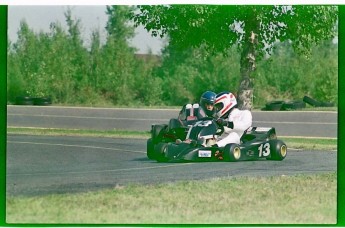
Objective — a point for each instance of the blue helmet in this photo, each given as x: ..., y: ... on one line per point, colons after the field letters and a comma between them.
x: 207, y: 97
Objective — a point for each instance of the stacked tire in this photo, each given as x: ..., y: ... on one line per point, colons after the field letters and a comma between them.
x: 26, y: 100
x: 297, y: 104
x: 292, y: 105
x: 283, y: 105
x: 316, y: 103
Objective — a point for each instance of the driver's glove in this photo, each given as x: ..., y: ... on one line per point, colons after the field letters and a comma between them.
x: 225, y: 123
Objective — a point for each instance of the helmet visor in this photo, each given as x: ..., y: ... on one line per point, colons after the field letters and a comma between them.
x: 218, y: 107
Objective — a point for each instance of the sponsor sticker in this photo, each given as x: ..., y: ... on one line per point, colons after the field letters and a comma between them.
x: 204, y: 153
x: 262, y: 129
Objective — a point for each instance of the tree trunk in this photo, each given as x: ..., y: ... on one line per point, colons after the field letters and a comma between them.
x: 248, y: 65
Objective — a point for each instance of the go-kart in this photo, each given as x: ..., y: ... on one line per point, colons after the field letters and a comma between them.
x: 196, y: 142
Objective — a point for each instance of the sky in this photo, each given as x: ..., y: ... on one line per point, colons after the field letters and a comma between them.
x: 92, y: 17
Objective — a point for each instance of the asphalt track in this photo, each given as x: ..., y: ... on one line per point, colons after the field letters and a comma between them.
x: 287, y: 123
x: 40, y: 165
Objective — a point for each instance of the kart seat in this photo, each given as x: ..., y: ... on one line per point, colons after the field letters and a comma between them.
x: 191, y: 118
x: 247, y: 137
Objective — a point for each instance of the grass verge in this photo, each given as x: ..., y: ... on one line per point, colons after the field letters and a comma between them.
x: 311, y: 143
x: 79, y: 132
x: 292, y: 142
x: 301, y: 199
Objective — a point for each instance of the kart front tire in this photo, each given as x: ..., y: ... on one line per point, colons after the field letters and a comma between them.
x: 232, y: 152
x: 150, y: 149
x: 160, y: 152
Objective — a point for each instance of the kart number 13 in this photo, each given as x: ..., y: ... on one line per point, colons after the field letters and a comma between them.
x: 264, y: 150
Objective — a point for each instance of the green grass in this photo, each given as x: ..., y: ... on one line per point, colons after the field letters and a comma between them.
x: 295, y: 143
x: 79, y: 132
x: 311, y: 143
x: 301, y: 199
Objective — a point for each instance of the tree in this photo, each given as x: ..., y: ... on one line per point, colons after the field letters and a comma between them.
x: 290, y: 76
x: 253, y: 29
x: 117, y: 24
x: 187, y: 74
x: 78, y: 55
x: 27, y: 50
x: 25, y: 62
x: 95, y: 59
x: 116, y: 80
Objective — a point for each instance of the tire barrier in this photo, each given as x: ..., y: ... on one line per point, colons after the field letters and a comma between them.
x: 40, y: 101
x: 24, y: 100
x: 316, y: 103
x: 274, y: 106
x: 293, y: 105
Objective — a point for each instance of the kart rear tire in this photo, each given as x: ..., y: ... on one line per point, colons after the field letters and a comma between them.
x: 177, y: 129
x: 150, y: 149
x: 279, y: 150
x: 174, y: 123
x: 232, y: 152
x: 156, y: 132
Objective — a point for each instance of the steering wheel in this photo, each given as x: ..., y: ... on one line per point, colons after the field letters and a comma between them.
x: 221, y: 129
x: 206, y: 118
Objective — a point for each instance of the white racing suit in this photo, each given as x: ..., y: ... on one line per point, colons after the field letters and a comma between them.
x: 242, y: 120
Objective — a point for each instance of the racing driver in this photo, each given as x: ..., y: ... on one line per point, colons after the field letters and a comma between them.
x: 235, y: 121
x: 205, y: 108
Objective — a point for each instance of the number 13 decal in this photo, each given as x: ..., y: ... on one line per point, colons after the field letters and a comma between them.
x: 264, y: 150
